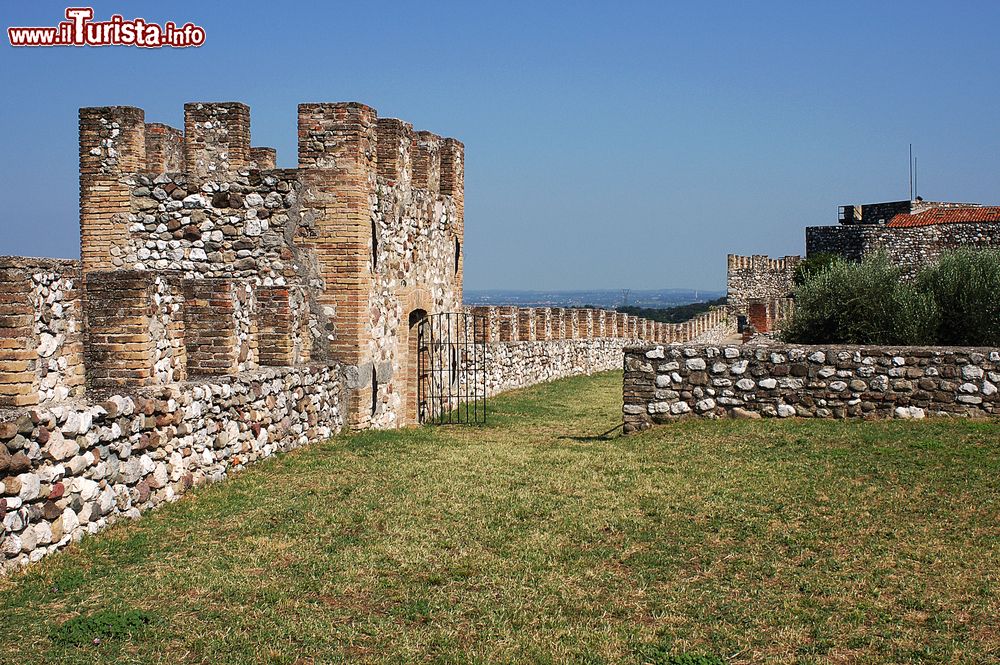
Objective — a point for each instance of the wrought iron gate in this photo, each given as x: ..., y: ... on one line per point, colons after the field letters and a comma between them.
x: 451, y: 369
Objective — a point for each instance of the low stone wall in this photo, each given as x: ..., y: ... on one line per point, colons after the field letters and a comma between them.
x: 511, y: 365
x: 74, y: 468
x: 665, y: 383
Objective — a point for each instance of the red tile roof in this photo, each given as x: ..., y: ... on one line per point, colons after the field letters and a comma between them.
x: 946, y: 216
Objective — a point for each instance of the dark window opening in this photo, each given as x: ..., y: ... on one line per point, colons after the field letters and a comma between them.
x: 374, y: 391
x: 458, y: 254
x: 374, y: 247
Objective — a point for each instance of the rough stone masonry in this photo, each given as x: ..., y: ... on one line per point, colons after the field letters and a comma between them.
x: 224, y: 310
x: 663, y: 384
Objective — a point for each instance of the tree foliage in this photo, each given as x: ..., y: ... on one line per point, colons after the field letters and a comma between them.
x: 965, y: 284
x: 862, y: 303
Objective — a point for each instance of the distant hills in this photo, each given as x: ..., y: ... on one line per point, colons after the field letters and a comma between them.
x: 604, y: 298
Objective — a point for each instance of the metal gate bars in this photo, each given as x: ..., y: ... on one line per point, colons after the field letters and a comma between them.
x: 451, y: 369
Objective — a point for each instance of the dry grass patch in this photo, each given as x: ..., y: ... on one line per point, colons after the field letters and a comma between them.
x: 532, y: 540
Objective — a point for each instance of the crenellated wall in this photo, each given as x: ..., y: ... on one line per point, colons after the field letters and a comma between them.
x: 223, y: 310
x: 526, y: 324
x: 662, y: 384
x: 759, y: 278
x: 367, y: 233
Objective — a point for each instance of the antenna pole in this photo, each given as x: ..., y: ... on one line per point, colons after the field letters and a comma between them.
x: 914, y: 175
x: 911, y: 171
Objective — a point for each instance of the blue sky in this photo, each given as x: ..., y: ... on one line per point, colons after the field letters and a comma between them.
x: 608, y: 145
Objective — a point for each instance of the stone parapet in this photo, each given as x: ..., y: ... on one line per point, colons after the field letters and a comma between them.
x: 663, y: 383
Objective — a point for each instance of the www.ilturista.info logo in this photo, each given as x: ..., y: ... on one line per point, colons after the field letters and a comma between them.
x: 80, y: 30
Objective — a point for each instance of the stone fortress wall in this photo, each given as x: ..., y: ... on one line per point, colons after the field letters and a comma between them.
x: 759, y: 287
x: 911, y: 248
x: 224, y: 310
x: 366, y: 233
x: 662, y: 384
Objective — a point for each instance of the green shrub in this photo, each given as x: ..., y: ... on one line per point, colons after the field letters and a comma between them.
x: 862, y: 303
x: 813, y: 265
x: 101, y: 625
x: 676, y: 314
x: 965, y: 284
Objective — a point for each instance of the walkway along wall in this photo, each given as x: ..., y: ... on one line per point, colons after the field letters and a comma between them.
x: 194, y: 378
x: 662, y: 384
x: 224, y: 310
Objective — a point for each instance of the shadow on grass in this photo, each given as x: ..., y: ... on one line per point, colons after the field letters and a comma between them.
x: 603, y: 436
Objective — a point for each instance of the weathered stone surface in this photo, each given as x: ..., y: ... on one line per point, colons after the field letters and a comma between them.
x: 59, y: 448
x: 30, y: 486
x: 784, y: 411
x: 910, y: 383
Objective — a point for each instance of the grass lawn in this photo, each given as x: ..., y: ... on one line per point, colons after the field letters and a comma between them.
x: 531, y: 540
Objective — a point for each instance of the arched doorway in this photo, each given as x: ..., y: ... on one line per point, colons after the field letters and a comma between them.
x: 411, y: 391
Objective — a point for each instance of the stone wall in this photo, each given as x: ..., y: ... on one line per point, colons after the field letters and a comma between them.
x: 239, y: 225
x: 73, y: 468
x: 758, y: 278
x: 665, y: 383
x: 366, y: 233
x: 911, y: 248
x: 41, y: 331
x: 511, y: 365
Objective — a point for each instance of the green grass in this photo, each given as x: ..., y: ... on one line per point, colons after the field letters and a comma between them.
x: 533, y: 540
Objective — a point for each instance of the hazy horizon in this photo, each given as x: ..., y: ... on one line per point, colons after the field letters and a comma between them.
x: 606, y: 298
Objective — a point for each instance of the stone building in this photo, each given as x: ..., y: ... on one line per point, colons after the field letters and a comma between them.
x: 912, y: 233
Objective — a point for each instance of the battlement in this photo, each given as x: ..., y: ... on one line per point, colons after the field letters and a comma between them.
x: 367, y: 229
x: 215, y: 140
x: 544, y: 324
x: 758, y: 277
x: 762, y: 262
